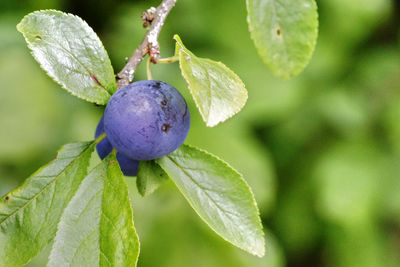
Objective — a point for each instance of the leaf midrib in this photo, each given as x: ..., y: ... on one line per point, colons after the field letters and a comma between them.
x: 203, y: 189
x: 57, y: 45
x: 41, y: 191
x: 275, y: 15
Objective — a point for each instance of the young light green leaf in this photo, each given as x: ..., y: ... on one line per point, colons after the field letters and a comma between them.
x: 29, y: 214
x: 218, y: 194
x: 284, y: 32
x: 92, y: 231
x: 150, y: 177
x: 217, y: 91
x: 71, y: 53
x: 119, y: 243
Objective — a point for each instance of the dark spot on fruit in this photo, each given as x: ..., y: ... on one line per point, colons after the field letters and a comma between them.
x: 165, y: 127
x: 139, y: 119
x: 6, y: 198
x: 278, y: 31
x: 38, y: 37
x: 157, y: 85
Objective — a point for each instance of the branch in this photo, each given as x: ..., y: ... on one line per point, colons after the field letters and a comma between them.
x: 149, y: 44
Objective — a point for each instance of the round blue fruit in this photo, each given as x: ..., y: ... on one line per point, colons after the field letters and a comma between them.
x: 146, y: 120
x: 129, y: 167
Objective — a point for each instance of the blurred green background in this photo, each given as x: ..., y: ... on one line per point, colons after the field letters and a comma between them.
x: 321, y: 151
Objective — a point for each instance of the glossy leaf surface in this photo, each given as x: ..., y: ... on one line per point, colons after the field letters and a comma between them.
x: 217, y: 91
x: 218, y: 194
x: 29, y: 215
x: 71, y: 53
x: 92, y: 231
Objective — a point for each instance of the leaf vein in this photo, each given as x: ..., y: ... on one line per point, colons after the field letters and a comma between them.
x: 44, y: 188
x: 204, y: 189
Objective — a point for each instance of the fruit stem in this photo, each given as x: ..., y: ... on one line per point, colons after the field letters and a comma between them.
x: 148, y: 70
x: 168, y: 60
x: 149, y: 45
x: 100, y: 138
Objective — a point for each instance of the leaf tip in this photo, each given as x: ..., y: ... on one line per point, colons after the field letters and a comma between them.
x: 179, y: 43
x: 176, y: 38
x: 141, y: 188
x: 19, y: 27
x: 20, y: 24
x: 212, y: 123
x: 259, y: 248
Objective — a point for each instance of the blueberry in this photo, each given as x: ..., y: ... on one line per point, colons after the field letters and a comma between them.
x: 129, y: 167
x: 146, y: 120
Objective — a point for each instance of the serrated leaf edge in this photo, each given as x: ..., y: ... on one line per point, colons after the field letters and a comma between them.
x: 260, y: 253
x: 196, y: 101
x: 283, y: 75
x: 60, y: 222
x: 90, y: 146
x: 54, y: 78
x: 112, y: 161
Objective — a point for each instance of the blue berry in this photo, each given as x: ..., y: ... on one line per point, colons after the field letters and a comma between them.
x: 146, y: 120
x: 129, y: 167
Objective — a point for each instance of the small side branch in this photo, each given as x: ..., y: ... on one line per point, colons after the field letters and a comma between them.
x: 149, y: 45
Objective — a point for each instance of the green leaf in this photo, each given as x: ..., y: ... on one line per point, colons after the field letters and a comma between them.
x: 71, y: 53
x: 119, y: 243
x: 150, y: 177
x: 29, y: 215
x: 218, y: 194
x: 217, y: 91
x: 77, y: 239
x: 92, y: 231
x: 284, y: 32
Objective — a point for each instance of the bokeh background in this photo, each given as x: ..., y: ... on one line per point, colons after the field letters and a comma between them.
x: 321, y: 151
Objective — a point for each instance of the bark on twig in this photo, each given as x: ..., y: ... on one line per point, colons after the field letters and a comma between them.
x: 149, y: 45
